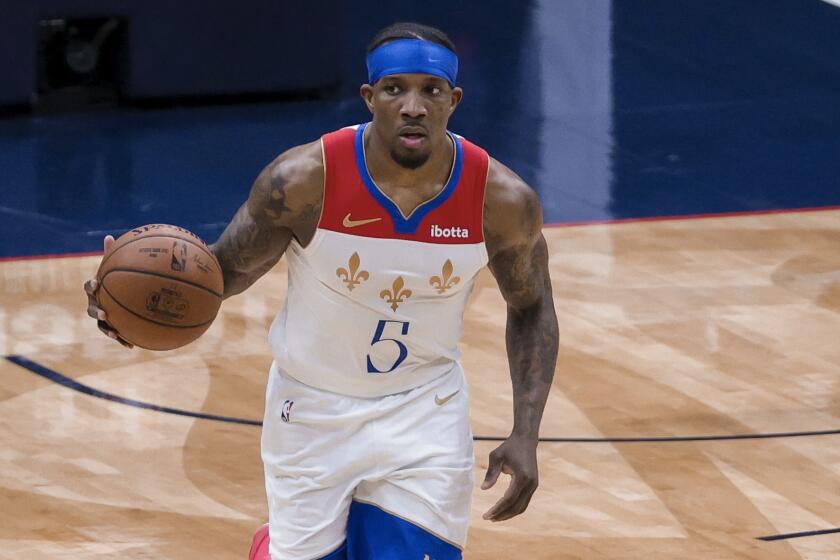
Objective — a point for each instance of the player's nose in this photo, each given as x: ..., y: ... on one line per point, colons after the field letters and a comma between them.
x: 413, y: 106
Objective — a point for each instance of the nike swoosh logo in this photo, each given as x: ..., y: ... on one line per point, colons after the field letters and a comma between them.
x: 442, y: 401
x: 348, y: 223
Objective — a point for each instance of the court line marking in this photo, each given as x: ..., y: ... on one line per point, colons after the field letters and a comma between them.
x: 50, y: 256
x: 70, y: 383
x: 65, y: 381
x: 674, y: 439
x: 786, y: 536
x: 570, y: 224
x: 688, y: 217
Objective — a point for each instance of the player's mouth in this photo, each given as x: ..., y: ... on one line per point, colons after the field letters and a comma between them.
x: 412, y: 137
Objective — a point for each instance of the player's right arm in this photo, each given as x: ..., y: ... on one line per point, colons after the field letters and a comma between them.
x: 284, y: 203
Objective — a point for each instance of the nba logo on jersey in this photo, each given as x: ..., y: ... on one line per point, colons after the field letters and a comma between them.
x: 287, y: 411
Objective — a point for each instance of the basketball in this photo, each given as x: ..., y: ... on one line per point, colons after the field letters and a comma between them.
x: 160, y: 286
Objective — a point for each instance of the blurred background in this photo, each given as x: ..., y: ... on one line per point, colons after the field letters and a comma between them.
x: 117, y: 113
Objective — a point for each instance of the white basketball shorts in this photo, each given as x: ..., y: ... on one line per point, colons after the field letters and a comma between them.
x: 409, y: 455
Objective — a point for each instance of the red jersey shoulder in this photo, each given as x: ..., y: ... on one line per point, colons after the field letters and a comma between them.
x: 354, y: 205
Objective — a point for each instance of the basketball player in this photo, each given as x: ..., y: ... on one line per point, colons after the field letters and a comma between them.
x: 366, y: 441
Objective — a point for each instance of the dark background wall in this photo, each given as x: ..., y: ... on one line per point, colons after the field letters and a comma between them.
x: 189, y: 47
x: 215, y: 47
x: 609, y: 109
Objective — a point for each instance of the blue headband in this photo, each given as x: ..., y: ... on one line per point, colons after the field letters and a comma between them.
x: 412, y: 56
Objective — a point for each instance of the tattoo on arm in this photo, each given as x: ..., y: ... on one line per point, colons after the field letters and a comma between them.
x: 531, y: 335
x: 519, y: 261
x: 258, y: 235
x: 284, y: 204
x: 275, y: 205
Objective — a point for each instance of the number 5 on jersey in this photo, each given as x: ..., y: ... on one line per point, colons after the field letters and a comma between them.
x: 379, y: 338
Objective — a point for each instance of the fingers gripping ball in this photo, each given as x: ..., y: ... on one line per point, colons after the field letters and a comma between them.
x: 160, y: 286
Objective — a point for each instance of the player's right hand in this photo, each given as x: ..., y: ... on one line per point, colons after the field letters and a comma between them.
x: 91, y: 287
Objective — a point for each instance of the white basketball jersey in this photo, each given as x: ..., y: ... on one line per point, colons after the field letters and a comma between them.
x: 376, y: 300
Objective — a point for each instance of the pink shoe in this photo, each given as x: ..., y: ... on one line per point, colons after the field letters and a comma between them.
x: 259, y: 546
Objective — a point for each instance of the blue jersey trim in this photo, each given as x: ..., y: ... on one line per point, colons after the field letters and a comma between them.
x: 401, y: 223
x: 373, y: 533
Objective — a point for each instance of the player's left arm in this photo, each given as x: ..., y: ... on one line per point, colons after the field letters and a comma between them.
x: 518, y: 258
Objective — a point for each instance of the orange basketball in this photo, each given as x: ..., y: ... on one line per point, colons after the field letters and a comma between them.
x: 160, y: 286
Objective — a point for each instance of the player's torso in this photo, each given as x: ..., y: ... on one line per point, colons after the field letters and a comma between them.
x: 376, y: 299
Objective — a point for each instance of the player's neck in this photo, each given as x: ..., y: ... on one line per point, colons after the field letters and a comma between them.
x: 385, y: 171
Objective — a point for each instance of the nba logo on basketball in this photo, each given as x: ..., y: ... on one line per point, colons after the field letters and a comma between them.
x: 287, y: 410
x: 179, y: 257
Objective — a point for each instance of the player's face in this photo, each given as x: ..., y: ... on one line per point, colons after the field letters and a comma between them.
x: 410, y: 113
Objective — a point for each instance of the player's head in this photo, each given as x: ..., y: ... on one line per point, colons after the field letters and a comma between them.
x: 411, y: 91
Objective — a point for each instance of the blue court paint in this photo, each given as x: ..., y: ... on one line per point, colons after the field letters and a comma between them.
x: 374, y: 533
x: 65, y: 381
x: 608, y: 111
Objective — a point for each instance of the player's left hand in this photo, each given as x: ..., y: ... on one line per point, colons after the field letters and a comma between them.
x: 517, y: 457
x: 94, y: 311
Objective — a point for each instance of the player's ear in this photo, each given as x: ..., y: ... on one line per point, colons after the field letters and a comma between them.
x: 457, y: 95
x: 366, y: 91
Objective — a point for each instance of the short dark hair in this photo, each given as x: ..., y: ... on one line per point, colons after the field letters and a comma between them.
x: 410, y: 30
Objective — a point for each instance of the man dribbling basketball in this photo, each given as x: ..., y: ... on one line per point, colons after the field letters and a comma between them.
x: 366, y: 441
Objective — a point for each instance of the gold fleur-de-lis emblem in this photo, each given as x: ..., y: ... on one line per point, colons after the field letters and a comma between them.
x: 396, y: 295
x: 445, y: 280
x: 354, y: 276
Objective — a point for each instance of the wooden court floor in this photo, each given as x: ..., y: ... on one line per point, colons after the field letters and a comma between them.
x: 669, y: 329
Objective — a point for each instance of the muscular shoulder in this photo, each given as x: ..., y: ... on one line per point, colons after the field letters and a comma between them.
x: 289, y: 191
x: 512, y: 210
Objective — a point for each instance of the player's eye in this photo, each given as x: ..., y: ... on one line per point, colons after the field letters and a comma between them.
x: 433, y: 90
x: 391, y: 89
